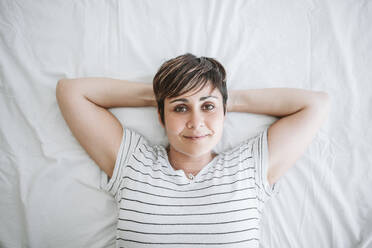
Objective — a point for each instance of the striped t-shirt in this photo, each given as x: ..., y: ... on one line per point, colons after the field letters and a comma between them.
x: 161, y: 207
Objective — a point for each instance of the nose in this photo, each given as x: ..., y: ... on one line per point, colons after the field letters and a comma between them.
x: 195, y: 121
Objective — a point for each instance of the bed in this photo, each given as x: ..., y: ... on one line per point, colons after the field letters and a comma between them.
x: 51, y: 190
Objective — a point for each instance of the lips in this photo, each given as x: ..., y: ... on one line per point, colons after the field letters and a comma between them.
x: 196, y: 137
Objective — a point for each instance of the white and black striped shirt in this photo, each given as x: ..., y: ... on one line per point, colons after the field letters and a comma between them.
x: 161, y: 207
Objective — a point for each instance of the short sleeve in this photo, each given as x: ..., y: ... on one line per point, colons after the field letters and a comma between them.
x: 260, y: 150
x: 130, y: 141
x: 255, y: 152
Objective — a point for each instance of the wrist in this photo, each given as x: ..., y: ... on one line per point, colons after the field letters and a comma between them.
x: 149, y: 96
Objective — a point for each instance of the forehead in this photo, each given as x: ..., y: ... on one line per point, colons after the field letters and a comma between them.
x: 207, y: 90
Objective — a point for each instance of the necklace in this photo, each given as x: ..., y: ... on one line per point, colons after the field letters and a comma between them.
x: 189, y: 173
x: 190, y: 176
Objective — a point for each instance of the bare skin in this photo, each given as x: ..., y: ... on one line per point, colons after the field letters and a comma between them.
x: 84, y: 104
x: 194, y: 124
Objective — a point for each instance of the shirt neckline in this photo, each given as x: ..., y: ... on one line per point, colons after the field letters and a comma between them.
x: 182, y: 172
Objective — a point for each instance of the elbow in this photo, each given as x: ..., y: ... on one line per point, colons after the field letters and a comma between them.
x: 320, y: 102
x: 60, y: 86
x: 63, y: 86
x: 63, y: 81
x: 321, y: 99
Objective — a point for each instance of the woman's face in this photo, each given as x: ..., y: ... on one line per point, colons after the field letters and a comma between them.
x: 194, y: 121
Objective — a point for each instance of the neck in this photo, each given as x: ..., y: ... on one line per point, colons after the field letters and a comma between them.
x: 188, y: 164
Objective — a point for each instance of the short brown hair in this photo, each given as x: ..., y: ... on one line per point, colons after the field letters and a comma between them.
x: 184, y: 73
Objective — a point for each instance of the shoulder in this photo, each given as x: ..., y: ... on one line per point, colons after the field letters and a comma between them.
x: 134, y: 140
x: 247, y: 145
x: 141, y: 145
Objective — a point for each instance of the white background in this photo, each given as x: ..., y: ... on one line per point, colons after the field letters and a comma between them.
x: 50, y: 192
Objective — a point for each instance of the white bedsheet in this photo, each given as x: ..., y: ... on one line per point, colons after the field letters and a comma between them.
x: 50, y: 192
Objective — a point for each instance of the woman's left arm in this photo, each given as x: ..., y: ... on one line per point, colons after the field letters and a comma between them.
x: 301, y: 112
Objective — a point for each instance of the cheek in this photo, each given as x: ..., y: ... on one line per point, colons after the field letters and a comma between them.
x: 216, y: 121
x: 174, y: 124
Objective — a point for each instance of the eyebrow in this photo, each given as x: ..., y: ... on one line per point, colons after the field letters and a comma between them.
x: 200, y: 99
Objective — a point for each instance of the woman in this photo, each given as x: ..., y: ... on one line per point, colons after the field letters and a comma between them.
x: 185, y: 194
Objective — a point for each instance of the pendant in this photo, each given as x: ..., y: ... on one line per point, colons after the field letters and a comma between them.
x: 191, y: 176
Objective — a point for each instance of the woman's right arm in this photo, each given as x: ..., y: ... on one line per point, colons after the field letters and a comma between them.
x: 84, y: 104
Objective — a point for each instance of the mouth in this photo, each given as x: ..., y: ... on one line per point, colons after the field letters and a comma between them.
x: 196, y: 137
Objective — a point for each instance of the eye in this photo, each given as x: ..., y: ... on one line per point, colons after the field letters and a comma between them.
x: 180, y: 108
x: 208, y: 107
